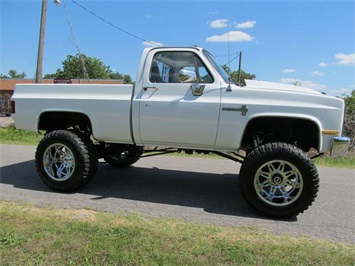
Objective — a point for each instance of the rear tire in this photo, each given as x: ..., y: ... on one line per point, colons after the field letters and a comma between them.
x: 279, y: 180
x: 66, y: 161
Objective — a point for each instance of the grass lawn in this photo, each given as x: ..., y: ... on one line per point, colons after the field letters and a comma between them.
x: 31, y: 235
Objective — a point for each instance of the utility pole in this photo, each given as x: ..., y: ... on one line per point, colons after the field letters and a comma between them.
x: 240, y: 69
x: 41, y: 42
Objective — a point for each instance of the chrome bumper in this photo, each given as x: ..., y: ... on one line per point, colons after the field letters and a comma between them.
x: 339, y: 146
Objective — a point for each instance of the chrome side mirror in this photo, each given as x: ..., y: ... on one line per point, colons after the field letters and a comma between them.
x: 197, y: 89
x: 187, y: 76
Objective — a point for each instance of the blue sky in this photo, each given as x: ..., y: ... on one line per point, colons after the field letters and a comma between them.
x: 309, y: 42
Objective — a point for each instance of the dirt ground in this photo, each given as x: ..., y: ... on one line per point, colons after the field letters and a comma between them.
x: 5, y: 121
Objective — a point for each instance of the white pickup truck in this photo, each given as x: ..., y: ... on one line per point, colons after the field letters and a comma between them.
x: 184, y: 101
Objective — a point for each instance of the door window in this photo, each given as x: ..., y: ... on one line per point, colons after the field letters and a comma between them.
x: 178, y: 67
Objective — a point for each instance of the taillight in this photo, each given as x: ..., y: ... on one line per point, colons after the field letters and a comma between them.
x: 13, y: 107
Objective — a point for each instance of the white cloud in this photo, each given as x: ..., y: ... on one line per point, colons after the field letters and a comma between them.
x: 232, y: 36
x: 289, y: 80
x: 246, y: 25
x: 289, y: 70
x: 152, y: 44
x: 318, y: 87
x: 322, y: 64
x: 345, y: 91
x: 305, y: 83
x: 219, y: 23
x: 346, y: 59
x: 317, y: 73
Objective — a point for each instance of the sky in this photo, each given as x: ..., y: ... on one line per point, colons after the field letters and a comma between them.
x: 308, y: 42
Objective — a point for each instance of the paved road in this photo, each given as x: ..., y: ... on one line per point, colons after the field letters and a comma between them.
x: 203, y: 190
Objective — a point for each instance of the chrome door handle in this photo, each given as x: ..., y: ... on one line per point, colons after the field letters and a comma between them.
x: 150, y: 88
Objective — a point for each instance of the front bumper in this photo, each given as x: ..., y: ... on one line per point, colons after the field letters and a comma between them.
x: 339, y: 146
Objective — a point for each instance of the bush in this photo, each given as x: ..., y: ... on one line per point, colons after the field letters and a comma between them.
x: 349, y: 120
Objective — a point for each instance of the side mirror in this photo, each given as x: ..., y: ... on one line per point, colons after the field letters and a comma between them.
x: 187, y: 76
x: 197, y: 89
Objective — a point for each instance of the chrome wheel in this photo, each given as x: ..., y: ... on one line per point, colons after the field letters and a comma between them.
x: 278, y: 183
x: 59, y: 162
x: 279, y: 180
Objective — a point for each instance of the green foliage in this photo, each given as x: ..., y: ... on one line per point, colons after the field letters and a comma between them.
x: 347, y: 161
x: 349, y: 120
x: 73, y: 68
x: 235, y: 75
x: 9, y: 240
x: 115, y: 75
x: 14, y: 75
x: 81, y: 66
x: 350, y: 103
x: 11, y: 135
x: 127, y: 79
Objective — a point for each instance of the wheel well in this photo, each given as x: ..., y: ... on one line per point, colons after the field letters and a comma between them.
x: 300, y: 132
x: 62, y: 120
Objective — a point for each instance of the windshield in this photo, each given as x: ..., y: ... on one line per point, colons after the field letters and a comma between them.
x: 217, y: 66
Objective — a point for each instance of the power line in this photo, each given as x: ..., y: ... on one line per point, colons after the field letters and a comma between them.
x: 113, y: 25
x: 76, y: 43
x: 232, y: 59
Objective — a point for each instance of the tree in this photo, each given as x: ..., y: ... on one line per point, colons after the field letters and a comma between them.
x: 115, y: 75
x: 349, y: 119
x: 235, y: 75
x: 73, y: 68
x: 127, y: 79
x: 14, y: 75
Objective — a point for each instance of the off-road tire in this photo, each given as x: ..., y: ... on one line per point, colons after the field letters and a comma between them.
x: 278, y: 180
x: 125, y: 157
x: 66, y: 160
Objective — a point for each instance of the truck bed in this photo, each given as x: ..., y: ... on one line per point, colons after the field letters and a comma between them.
x: 107, y: 107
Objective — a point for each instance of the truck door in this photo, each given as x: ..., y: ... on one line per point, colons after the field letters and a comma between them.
x: 179, y: 103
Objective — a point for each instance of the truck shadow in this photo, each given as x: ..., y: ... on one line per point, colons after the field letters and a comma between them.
x: 214, y: 193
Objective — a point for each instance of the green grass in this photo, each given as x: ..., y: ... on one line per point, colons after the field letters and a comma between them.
x: 347, y: 161
x: 48, y: 236
x: 11, y: 135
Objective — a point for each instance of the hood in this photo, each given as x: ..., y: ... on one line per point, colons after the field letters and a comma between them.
x: 277, y: 86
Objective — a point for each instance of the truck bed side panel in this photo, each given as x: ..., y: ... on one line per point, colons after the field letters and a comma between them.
x: 107, y: 107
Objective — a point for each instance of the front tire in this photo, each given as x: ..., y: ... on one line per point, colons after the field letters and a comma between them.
x: 65, y: 160
x: 279, y: 180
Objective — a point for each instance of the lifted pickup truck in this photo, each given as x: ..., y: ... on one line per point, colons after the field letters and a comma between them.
x: 184, y: 101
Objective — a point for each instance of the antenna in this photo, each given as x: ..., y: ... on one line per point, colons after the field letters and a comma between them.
x: 240, y: 68
x: 229, y: 63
